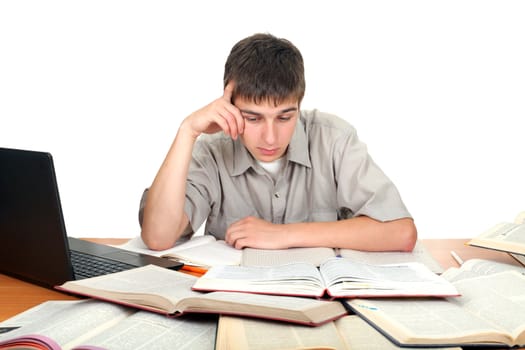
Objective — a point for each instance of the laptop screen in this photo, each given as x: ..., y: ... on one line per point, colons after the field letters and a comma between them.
x: 33, y: 240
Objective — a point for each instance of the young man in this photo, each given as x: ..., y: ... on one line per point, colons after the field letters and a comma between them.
x: 264, y: 174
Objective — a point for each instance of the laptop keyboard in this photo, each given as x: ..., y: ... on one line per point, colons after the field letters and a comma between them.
x: 85, y: 265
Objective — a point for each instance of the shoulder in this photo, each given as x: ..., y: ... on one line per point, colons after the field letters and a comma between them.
x: 213, y: 142
x: 321, y: 123
x: 215, y: 150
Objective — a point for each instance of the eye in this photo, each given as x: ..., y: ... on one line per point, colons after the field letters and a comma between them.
x: 284, y: 118
x: 251, y: 118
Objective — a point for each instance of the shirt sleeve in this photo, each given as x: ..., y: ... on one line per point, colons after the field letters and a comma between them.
x: 202, y: 186
x: 362, y: 187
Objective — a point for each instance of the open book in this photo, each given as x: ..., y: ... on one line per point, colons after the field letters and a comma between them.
x: 169, y: 292
x: 336, y: 277
x: 91, y: 324
x: 489, y: 311
x: 317, y: 255
x: 506, y: 236
x: 347, y: 333
x: 203, y: 251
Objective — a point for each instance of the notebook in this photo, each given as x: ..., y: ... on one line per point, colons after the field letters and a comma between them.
x: 34, y: 245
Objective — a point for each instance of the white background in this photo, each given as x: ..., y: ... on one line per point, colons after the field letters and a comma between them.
x: 436, y: 89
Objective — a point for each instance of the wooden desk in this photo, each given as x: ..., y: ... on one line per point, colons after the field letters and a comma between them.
x: 17, y: 296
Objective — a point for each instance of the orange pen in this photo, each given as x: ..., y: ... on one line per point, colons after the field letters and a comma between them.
x: 195, y: 269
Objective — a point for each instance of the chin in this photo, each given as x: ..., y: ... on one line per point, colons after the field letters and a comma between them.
x: 267, y: 159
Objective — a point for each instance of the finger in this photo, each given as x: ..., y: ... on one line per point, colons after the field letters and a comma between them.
x: 239, y: 119
x: 230, y: 119
x: 228, y: 237
x: 228, y: 91
x: 233, y: 233
x: 234, y: 241
x: 223, y: 124
x: 240, y: 244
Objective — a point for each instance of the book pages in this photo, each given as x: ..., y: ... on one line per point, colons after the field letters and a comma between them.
x: 489, y: 310
x: 236, y: 333
x: 317, y: 255
x: 419, y: 254
x: 290, y: 279
x: 91, y: 323
x: 150, y: 286
x: 347, y: 333
x: 270, y: 257
x: 202, y: 251
x: 348, y: 278
x: 505, y: 236
x: 169, y: 292
x: 359, y: 335
x: 146, y: 330
x: 338, y: 277
x: 478, y: 267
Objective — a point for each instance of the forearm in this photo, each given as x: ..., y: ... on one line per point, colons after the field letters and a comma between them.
x: 164, y: 217
x: 360, y: 233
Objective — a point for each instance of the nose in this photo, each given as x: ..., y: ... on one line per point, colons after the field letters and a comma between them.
x: 270, y: 133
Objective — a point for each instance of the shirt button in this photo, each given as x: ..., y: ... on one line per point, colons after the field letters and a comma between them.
x: 277, y: 195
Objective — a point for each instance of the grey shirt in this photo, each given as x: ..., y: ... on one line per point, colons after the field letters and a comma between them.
x: 328, y: 175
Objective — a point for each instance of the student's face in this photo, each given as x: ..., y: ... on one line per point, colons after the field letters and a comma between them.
x: 268, y: 129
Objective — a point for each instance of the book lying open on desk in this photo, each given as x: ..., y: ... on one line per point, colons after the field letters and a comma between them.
x: 489, y: 311
x: 506, y: 236
x: 203, y: 251
x: 95, y: 325
x: 336, y: 277
x: 346, y: 333
x: 169, y: 292
x: 317, y: 255
x: 207, y: 251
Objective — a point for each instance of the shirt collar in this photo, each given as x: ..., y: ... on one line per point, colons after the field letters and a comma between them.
x: 242, y: 159
x: 297, y: 152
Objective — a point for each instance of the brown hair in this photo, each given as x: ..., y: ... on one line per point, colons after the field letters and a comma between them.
x: 265, y: 67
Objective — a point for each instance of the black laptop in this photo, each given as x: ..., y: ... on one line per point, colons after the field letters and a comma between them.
x: 34, y: 245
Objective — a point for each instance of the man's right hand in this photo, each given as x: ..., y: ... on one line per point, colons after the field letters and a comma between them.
x: 219, y: 115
